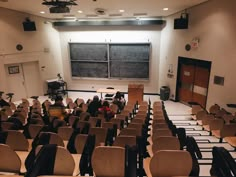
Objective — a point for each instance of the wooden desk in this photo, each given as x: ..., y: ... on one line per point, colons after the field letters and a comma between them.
x: 109, y: 91
x: 135, y: 92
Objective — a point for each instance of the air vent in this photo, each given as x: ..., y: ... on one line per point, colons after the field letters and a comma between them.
x: 115, y: 15
x: 139, y: 14
x: 100, y: 11
x: 91, y: 15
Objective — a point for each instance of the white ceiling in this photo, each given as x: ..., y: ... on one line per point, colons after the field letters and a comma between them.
x: 152, y: 8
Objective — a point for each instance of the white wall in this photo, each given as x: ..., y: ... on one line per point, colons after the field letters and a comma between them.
x: 111, y: 34
x: 34, y: 45
x: 214, y: 23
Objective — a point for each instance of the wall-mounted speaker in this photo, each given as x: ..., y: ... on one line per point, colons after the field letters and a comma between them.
x: 29, y: 25
x: 182, y: 22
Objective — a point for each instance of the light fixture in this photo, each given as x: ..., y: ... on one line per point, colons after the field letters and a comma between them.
x: 42, y: 12
x: 80, y: 11
x: 121, y: 10
x: 166, y: 8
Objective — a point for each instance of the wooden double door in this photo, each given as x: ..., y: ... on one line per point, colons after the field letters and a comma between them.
x: 193, y: 80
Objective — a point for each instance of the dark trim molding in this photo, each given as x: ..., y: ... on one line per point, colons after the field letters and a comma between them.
x: 110, y: 23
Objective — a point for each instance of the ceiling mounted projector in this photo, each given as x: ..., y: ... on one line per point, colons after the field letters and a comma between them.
x: 59, y: 9
x: 59, y: 6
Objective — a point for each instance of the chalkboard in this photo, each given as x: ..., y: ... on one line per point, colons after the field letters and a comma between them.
x: 129, y: 70
x: 86, y: 69
x: 129, y: 52
x: 92, y: 52
x: 110, y: 60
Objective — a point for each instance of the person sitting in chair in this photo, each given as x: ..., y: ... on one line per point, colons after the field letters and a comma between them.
x: 2, y: 101
x: 94, y: 105
x: 119, y: 100
x: 57, y: 109
x: 106, y: 110
x: 58, y: 102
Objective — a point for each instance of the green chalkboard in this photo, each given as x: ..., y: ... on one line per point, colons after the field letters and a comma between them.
x: 110, y: 60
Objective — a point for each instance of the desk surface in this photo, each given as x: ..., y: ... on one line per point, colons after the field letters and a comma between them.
x: 103, y: 90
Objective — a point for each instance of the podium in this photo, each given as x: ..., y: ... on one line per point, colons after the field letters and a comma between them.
x: 135, y: 92
x: 56, y: 88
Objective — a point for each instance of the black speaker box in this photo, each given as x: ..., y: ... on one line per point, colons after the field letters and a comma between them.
x: 29, y: 26
x: 181, y: 23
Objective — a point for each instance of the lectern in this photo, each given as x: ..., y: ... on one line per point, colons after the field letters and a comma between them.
x: 135, y: 92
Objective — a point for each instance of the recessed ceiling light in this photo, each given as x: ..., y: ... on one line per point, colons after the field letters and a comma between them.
x: 80, y: 11
x: 166, y: 8
x: 121, y: 10
x: 42, y: 12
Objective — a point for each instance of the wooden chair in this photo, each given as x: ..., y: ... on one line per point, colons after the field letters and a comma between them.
x: 34, y: 129
x: 165, y: 163
x: 200, y: 115
x: 165, y: 143
x: 111, y: 126
x: 53, y: 138
x: 84, y: 116
x: 72, y: 119
x: 109, y: 161
x: 69, y: 100
x: 9, y: 161
x: 206, y: 121
x: 17, y: 141
x: 7, y: 126
x: 231, y: 140
x: 228, y: 117
x: 131, y: 132
x: 160, y: 126
x: 214, y: 109
x: 12, y: 106
x: 225, y: 131
x: 52, y: 160
x: 80, y: 101
x: 65, y: 132
x: 121, y: 141
x: 64, y: 162
x: 80, y: 141
x: 3, y: 116
x: 216, y: 124
x: 118, y: 122
x: 101, y: 135
x: 195, y: 109
x: 160, y: 132
x: 114, y: 108
x: 8, y: 111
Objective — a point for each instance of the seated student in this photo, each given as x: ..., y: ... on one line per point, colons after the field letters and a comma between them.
x: 105, y: 109
x: 2, y: 101
x: 57, y: 105
x: 58, y: 102
x: 119, y: 100
x: 94, y: 105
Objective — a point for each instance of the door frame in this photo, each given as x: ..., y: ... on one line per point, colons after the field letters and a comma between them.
x: 194, y: 62
x: 23, y: 73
